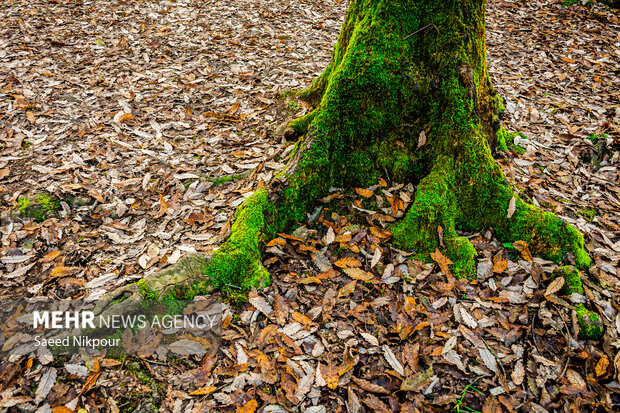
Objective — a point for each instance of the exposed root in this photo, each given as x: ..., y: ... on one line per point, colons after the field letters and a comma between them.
x: 292, y: 130
x: 430, y: 223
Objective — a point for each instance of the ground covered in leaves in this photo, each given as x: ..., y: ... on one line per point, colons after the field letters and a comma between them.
x: 130, y: 131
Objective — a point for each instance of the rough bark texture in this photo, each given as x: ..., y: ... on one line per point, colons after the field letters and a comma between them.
x: 400, y: 69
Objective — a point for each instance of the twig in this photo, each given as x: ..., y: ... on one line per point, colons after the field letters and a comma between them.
x: 423, y: 28
x: 568, y: 344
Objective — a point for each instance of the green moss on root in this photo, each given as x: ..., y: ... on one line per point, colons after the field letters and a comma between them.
x: 590, y: 324
x: 238, y: 262
x: 301, y: 125
x: 572, y: 279
x: 145, y: 291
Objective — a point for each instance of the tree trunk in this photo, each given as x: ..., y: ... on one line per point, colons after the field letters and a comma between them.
x: 407, y: 97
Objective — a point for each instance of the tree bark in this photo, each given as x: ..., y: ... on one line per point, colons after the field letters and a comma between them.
x: 406, y: 97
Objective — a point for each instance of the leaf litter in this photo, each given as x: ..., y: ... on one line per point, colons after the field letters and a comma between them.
x: 130, y: 128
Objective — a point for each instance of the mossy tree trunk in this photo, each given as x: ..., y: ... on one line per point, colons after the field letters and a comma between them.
x: 407, y: 97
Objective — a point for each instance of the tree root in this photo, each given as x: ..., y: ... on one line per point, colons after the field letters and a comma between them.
x: 444, y: 203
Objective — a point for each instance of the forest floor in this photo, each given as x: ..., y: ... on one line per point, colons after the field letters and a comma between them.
x: 131, y: 130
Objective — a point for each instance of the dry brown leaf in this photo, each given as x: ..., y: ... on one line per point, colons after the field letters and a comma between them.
x: 358, y: 274
x: 95, y: 193
x: 555, y: 286
x: 518, y: 374
x: 369, y: 386
x: 575, y: 379
x: 511, y: 207
x: 392, y: 360
x: 376, y: 404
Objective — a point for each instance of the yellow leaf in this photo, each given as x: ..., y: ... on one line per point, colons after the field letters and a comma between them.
x: 31, y: 118
x: 310, y: 280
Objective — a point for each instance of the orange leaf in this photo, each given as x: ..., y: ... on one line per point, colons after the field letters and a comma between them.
x: 499, y: 264
x: 203, y: 390
x: 523, y: 249
x: 50, y: 256
x: 163, y: 207
x: 601, y: 366
x: 330, y: 375
x: 90, y: 381
x: 347, y: 262
x: 301, y: 319
x: 97, y: 195
x: 443, y: 261
x: 61, y: 409
x: 366, y: 193
x: 125, y: 117
x: 249, y: 407
x: 276, y: 241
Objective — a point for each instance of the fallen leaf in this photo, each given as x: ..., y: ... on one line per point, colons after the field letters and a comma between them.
x: 601, y: 366
x: 555, y: 286
x: 249, y: 407
x: 358, y: 274
x: 511, y: 207
x: 392, y: 360
x: 347, y: 289
x: 366, y: 193
x: 45, y: 384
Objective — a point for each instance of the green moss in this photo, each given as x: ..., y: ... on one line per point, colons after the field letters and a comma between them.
x: 41, y: 207
x: 301, y: 125
x: 590, y: 324
x: 589, y: 214
x: 237, y: 262
x: 572, y: 279
x: 225, y: 179
x: 146, y: 291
